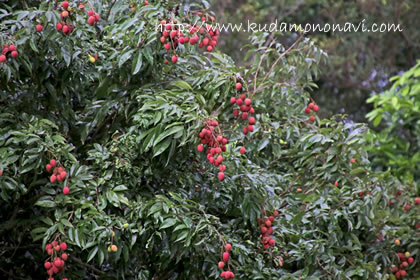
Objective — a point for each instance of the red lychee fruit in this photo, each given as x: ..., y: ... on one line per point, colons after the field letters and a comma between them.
x: 225, y: 257
x: 66, y: 190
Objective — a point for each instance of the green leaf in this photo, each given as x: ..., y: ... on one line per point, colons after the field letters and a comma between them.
x: 137, y: 63
x: 66, y: 223
x: 166, y: 133
x: 182, y: 84
x: 45, y: 201
x: 126, y: 56
x: 168, y: 223
x: 160, y: 148
x: 92, y: 253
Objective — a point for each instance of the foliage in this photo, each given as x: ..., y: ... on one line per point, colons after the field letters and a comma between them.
x: 396, y: 145
x: 126, y: 126
x: 360, y: 62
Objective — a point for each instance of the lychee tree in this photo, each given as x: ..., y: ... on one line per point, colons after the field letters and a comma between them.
x: 148, y: 166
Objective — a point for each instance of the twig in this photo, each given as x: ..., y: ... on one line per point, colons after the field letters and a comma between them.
x: 323, y: 268
x: 110, y: 8
x: 91, y: 267
x: 281, y: 56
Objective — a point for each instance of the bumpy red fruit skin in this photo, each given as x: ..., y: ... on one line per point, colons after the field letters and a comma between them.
x: 14, y: 54
x: 248, y: 102
x: 97, y: 17
x: 221, y: 176
x: 225, y: 257
x: 239, y: 102
x: 276, y: 213
x: 174, y: 59
x: 59, y: 26
x: 63, y: 174
x: 307, y: 110
x: 53, y: 178
x: 316, y: 108
x: 417, y: 200
x: 91, y: 13
x: 403, y: 273
x: 228, y: 247
x: 312, y: 119
x: 91, y: 20
x: 66, y: 190
x: 251, y: 120
x: 53, y: 163
x: 221, y: 265
x: 268, y: 223
x: 242, y: 150
x: 64, y: 256
x: 2, y: 58
x: 238, y: 86
x: 63, y: 246
x: 245, y: 130
x: 39, y: 28
x: 200, y: 148
x: 12, y: 48
x: 410, y: 260
x: 311, y: 105
x: 65, y: 4
x: 47, y: 265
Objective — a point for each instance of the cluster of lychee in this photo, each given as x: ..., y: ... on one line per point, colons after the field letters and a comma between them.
x: 59, y: 174
x: 407, y: 206
x: 405, y: 261
x: 172, y: 36
x: 113, y: 247
x: 216, y: 145
x: 311, y: 107
x: 266, y: 229
x: 227, y: 274
x: 6, y: 50
x: 66, y: 28
x: 55, y: 263
x: 245, y: 109
x: 93, y: 17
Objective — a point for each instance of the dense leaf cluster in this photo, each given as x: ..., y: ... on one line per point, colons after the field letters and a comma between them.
x: 125, y: 127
